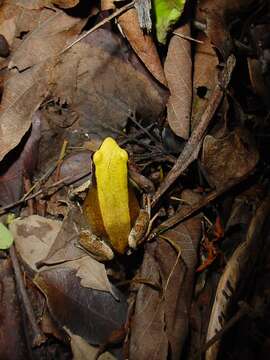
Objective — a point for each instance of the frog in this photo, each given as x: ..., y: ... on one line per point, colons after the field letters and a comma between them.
x: 114, y: 222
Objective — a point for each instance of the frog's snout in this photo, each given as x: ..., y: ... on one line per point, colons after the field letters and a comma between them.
x: 124, y: 155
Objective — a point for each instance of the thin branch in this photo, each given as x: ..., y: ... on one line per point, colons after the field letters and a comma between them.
x: 101, y: 23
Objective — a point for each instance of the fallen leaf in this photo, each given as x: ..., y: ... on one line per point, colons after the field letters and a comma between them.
x: 205, y: 78
x: 23, y: 93
x: 101, y: 83
x: 64, y: 247
x: 167, y: 13
x: 33, y: 237
x: 92, y: 314
x: 178, y: 71
x: 83, y: 351
x: 160, y: 321
x: 228, y: 158
x: 19, y: 163
x: 92, y: 274
x: 46, y: 40
x: 142, y: 44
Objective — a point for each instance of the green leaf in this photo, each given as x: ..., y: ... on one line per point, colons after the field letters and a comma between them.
x: 6, y: 238
x: 167, y: 13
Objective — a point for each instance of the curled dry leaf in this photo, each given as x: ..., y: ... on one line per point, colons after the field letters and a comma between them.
x: 142, y: 44
x: 21, y: 162
x: 229, y: 158
x: 178, y: 71
x: 237, y: 269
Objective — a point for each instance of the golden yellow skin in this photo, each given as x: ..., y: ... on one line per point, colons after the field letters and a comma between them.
x: 110, y: 207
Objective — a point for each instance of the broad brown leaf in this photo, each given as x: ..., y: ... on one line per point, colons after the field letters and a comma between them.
x: 178, y: 71
x: 142, y: 44
x: 229, y: 158
x: 204, y: 78
x: 92, y: 314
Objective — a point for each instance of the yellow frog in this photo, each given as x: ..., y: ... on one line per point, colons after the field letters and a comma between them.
x: 110, y: 207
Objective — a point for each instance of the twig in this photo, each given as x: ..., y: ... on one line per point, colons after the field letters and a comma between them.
x: 244, y: 310
x: 61, y: 158
x: 185, y: 213
x: 187, y: 37
x: 101, y: 23
x: 63, y: 182
x: 192, y: 147
x: 38, y: 336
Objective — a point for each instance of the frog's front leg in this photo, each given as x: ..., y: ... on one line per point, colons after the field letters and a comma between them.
x: 98, y: 248
x: 140, y: 227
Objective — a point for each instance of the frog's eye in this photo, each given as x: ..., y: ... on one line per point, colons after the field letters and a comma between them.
x: 97, y: 157
x: 124, y: 155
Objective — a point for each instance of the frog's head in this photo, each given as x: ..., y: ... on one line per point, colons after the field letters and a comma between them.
x: 109, y: 149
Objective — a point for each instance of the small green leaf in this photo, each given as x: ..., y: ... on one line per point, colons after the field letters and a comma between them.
x: 167, y: 13
x: 6, y: 238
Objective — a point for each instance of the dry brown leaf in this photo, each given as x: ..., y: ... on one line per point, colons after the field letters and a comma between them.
x: 23, y: 93
x: 21, y: 163
x: 178, y: 71
x: 204, y: 78
x: 92, y: 273
x: 142, y: 44
x: 92, y: 314
x: 101, y: 85
x: 65, y: 4
x: 46, y: 40
x: 83, y: 351
x: 161, y: 321
x: 229, y: 158
x: 38, y: 4
x: 33, y: 237
x: 64, y: 246
x: 107, y: 5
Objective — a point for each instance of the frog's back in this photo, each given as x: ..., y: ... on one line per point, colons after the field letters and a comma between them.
x: 113, y: 194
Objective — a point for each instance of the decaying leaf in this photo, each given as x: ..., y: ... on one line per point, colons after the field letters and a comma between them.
x: 167, y: 13
x: 231, y: 157
x: 142, y: 44
x: 20, y: 163
x: 92, y: 314
x: 178, y: 71
x: 34, y: 236
x: 101, y: 85
x: 46, y: 40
